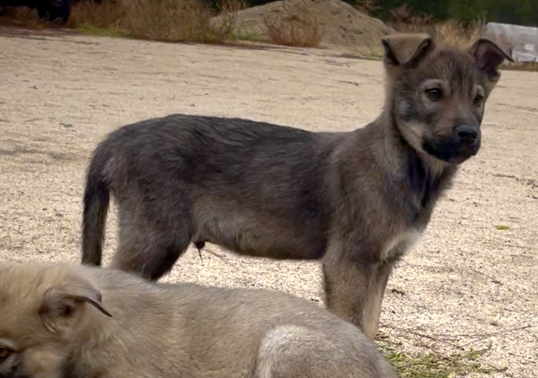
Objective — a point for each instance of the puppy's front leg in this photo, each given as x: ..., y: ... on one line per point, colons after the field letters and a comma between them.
x: 354, y: 291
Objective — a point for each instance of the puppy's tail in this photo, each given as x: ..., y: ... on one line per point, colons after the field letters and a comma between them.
x: 96, y: 203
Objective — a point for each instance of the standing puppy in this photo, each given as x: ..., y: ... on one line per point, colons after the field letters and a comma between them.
x: 354, y: 200
x: 85, y: 322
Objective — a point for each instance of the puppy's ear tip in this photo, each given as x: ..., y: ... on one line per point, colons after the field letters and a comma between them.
x: 105, y: 312
x: 95, y: 301
x: 405, y: 48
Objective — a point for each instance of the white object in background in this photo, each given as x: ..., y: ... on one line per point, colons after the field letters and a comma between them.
x: 523, y: 39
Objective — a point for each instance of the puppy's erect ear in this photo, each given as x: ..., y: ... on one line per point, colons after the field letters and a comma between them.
x: 489, y: 57
x: 405, y: 49
x: 61, y: 303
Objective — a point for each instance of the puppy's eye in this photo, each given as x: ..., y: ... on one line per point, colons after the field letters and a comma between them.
x: 478, y: 100
x: 5, y: 353
x: 434, y: 94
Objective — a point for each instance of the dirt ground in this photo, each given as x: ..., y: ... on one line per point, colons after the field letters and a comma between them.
x: 466, y: 283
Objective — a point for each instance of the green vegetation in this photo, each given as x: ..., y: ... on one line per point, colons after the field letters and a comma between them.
x: 432, y: 365
x: 102, y: 32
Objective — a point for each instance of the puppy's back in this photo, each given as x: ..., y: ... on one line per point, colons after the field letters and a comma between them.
x: 233, y: 329
x: 172, y: 330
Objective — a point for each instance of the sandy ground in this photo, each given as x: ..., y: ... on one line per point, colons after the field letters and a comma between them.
x: 465, y: 283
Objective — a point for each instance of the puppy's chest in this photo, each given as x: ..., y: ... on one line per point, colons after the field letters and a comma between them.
x: 422, y: 187
x: 396, y: 246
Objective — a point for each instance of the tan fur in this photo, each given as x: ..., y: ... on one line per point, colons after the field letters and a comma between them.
x: 54, y: 324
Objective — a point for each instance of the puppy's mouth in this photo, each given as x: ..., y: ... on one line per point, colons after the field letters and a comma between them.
x: 451, y: 149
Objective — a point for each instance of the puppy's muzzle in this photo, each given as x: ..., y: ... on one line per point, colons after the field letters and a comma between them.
x: 469, y: 137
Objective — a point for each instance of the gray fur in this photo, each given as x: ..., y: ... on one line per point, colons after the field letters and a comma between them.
x: 354, y: 200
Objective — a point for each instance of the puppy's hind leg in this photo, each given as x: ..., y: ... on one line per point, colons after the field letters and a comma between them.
x: 298, y: 352
x: 150, y: 247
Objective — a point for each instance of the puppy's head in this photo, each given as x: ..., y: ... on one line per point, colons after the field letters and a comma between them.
x: 437, y: 93
x: 44, y: 312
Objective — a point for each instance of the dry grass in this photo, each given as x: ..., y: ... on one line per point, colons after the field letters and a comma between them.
x: 297, y: 26
x: 179, y: 21
x: 227, y: 7
x: 22, y: 17
x: 163, y: 20
x: 108, y: 14
x: 452, y: 31
x: 368, y: 7
x: 531, y: 66
x: 174, y: 21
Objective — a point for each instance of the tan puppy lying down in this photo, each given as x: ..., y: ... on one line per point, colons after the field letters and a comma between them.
x: 67, y: 321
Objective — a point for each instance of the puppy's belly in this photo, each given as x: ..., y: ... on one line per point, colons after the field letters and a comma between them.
x: 261, y: 237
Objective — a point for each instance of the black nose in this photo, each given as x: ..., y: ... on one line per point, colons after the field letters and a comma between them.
x: 467, y: 133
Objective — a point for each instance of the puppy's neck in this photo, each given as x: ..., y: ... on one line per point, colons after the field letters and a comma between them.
x: 396, y: 141
x: 424, y: 178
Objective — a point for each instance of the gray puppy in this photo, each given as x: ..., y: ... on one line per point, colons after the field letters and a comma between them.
x: 355, y: 200
x: 86, y: 322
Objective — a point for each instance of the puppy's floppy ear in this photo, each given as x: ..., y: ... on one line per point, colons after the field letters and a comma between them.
x: 488, y: 57
x: 61, y: 303
x: 405, y: 49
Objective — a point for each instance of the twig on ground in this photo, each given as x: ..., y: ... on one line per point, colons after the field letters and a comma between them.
x: 486, y: 335
x: 494, y: 280
x: 450, y: 339
x: 431, y: 337
x: 216, y: 255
